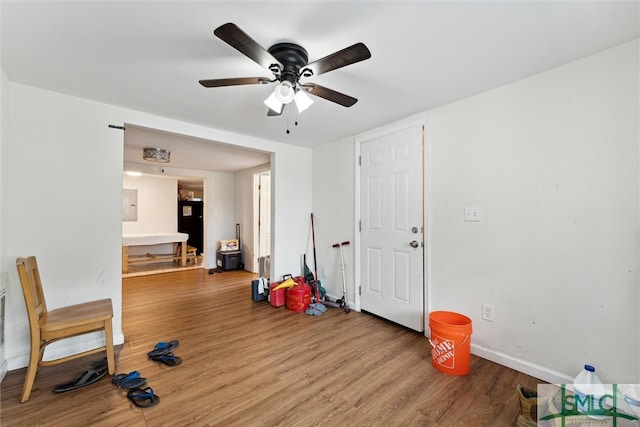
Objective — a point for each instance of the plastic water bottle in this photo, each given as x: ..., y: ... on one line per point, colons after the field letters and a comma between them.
x: 588, y: 390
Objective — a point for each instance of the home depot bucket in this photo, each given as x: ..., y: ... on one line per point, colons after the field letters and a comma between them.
x: 450, y: 342
x: 298, y: 297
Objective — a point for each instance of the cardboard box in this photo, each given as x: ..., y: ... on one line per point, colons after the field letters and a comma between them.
x: 228, y: 245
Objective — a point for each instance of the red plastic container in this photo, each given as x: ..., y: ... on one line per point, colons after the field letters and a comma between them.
x: 276, y: 298
x: 298, y: 297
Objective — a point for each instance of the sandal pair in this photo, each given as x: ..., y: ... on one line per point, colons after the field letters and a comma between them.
x: 162, y: 353
x: 163, y: 348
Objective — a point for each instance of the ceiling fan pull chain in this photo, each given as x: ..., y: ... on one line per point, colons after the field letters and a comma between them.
x: 288, y: 116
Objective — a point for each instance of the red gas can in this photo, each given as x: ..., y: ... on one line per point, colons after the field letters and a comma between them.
x: 298, y: 297
x: 276, y: 298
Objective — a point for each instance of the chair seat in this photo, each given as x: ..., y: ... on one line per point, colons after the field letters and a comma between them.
x: 76, y: 315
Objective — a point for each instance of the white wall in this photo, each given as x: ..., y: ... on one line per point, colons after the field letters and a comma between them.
x: 58, y: 142
x: 333, y: 211
x: 552, y: 162
x: 290, y: 210
x: 49, y: 141
x: 220, y: 196
x: 157, y: 204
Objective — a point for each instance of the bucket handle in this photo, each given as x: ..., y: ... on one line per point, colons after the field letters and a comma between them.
x: 463, y: 341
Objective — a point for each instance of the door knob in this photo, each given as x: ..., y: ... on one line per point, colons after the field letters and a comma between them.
x: 414, y: 244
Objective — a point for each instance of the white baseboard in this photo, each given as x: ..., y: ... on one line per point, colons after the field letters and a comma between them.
x: 520, y: 365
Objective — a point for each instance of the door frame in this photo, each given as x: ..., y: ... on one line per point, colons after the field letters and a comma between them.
x: 359, y: 140
x: 255, y: 215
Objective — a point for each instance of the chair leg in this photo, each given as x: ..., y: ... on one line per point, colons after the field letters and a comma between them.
x: 108, y: 342
x: 37, y: 351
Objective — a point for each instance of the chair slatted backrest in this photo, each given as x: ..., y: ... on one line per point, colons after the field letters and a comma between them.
x: 31, y: 288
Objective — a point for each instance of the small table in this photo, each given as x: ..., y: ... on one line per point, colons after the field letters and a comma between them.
x: 153, y: 239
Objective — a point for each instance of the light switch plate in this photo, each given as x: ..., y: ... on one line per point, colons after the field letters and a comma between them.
x: 472, y: 214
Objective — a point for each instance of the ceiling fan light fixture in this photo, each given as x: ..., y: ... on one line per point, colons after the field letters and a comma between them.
x: 303, y: 101
x: 273, y: 103
x: 156, y: 155
x: 285, y: 92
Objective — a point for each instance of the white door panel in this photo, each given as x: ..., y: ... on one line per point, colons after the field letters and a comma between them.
x: 391, y: 208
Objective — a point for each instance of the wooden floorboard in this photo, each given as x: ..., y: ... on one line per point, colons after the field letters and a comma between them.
x: 246, y: 363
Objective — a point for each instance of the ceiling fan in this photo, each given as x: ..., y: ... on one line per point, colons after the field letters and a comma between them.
x: 289, y: 63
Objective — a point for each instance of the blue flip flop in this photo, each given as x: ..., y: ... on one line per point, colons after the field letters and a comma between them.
x: 129, y: 381
x: 163, y: 348
x: 168, y: 359
x: 143, y: 397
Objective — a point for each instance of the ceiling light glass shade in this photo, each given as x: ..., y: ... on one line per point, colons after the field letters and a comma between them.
x: 285, y: 92
x: 303, y: 101
x: 273, y: 103
x: 157, y: 155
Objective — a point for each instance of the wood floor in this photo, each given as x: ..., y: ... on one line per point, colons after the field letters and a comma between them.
x: 248, y: 364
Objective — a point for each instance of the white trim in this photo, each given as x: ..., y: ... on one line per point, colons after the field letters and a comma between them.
x: 536, y: 371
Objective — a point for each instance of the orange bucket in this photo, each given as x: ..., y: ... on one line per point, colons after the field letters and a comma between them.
x: 450, y: 342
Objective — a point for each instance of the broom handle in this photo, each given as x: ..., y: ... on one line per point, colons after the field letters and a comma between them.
x: 315, y: 259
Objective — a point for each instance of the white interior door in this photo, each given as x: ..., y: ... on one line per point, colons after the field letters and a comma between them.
x: 391, y: 241
x: 264, y: 214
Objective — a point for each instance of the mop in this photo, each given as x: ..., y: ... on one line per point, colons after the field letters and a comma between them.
x: 316, y: 308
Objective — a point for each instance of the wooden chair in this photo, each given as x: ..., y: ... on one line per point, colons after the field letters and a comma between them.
x: 192, y: 254
x: 50, y: 326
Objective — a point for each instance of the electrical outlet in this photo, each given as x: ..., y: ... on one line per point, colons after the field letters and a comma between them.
x: 472, y: 214
x: 488, y: 312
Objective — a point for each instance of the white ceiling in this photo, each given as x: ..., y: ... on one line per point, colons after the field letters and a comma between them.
x: 149, y: 55
x: 188, y: 152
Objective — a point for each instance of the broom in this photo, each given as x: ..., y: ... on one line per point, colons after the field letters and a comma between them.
x: 317, y: 308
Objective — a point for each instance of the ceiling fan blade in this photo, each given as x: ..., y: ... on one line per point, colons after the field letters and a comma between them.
x: 329, y: 94
x: 347, y: 56
x: 235, y: 81
x: 238, y: 39
x: 272, y: 113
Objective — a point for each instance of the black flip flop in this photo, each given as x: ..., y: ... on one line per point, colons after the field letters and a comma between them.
x: 100, y: 365
x: 129, y: 381
x: 83, y: 380
x: 143, y: 397
x: 163, y: 348
x: 168, y: 359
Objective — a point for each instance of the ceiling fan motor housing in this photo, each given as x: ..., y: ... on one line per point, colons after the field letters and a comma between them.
x: 293, y: 57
